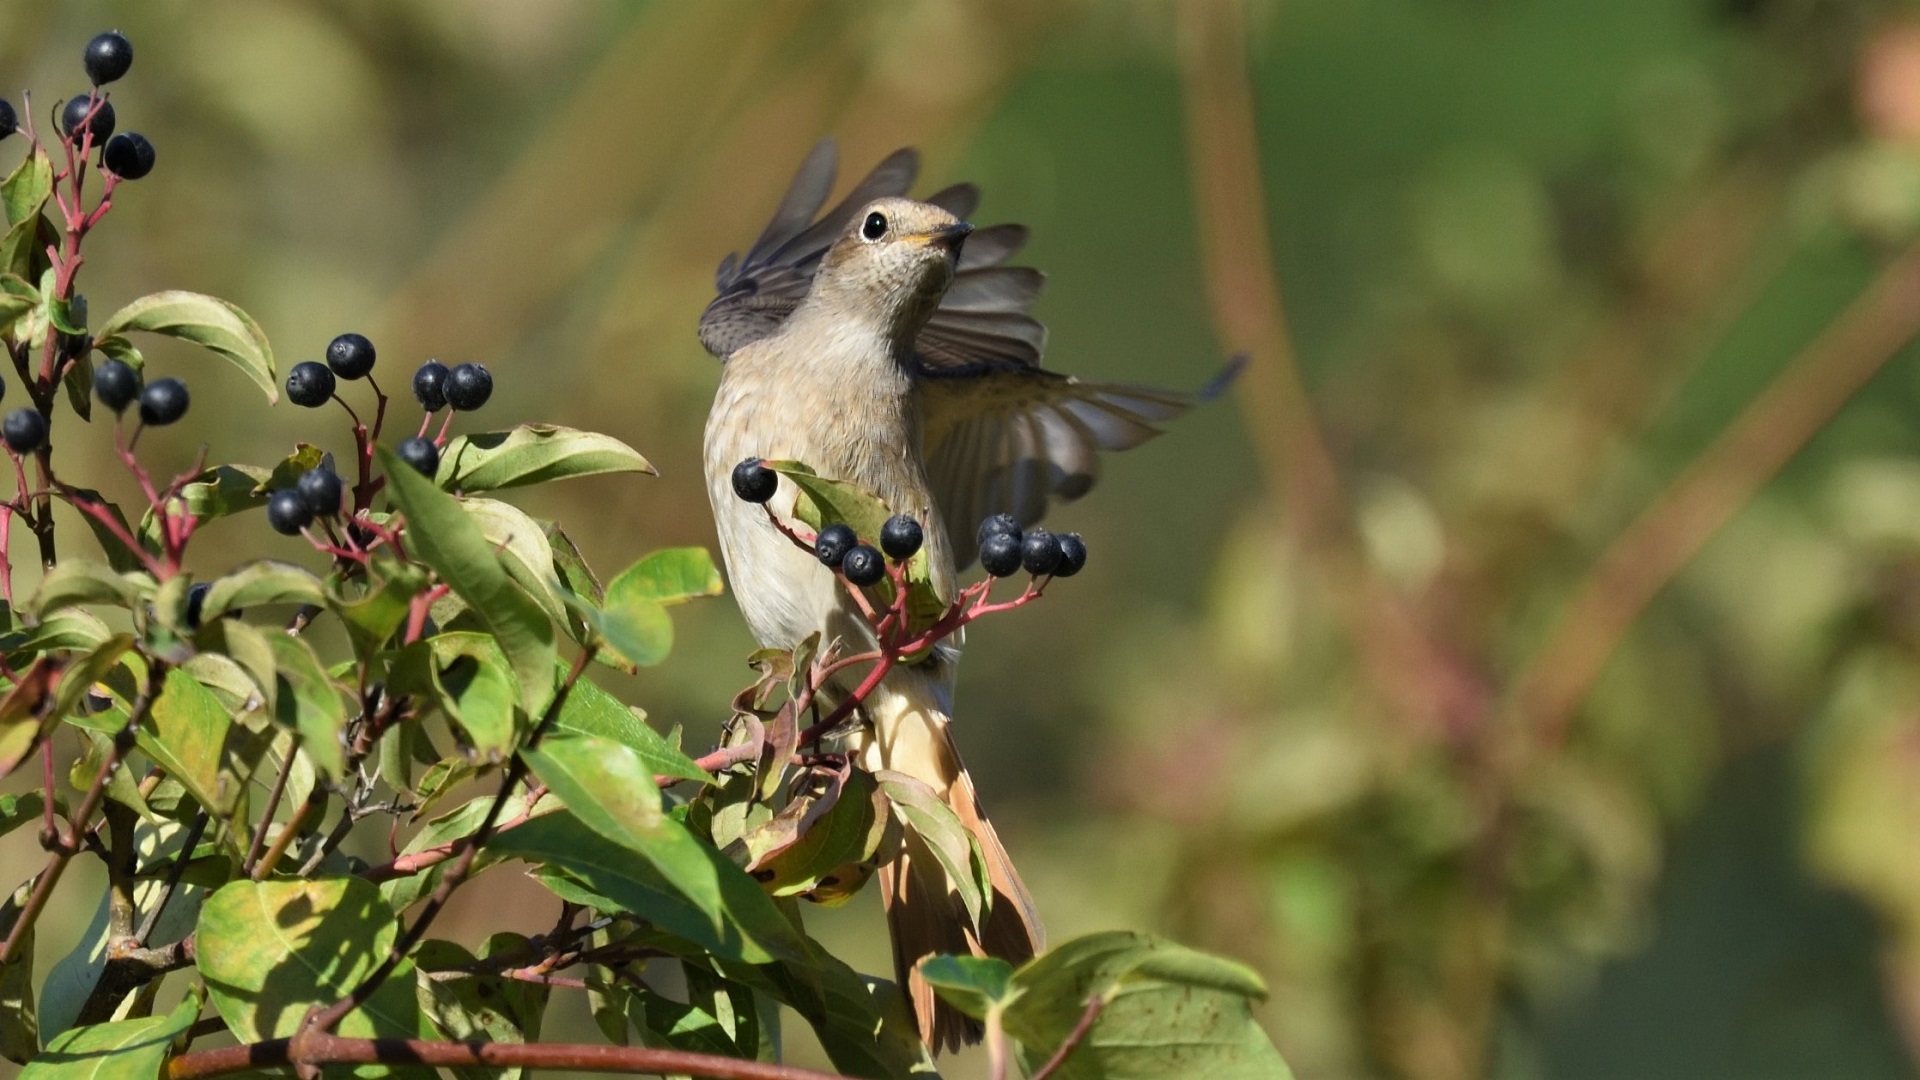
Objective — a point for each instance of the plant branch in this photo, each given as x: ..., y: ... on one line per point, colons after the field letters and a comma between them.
x: 313, y: 1047
x: 325, y: 1019
x: 65, y: 847
x: 1074, y: 1038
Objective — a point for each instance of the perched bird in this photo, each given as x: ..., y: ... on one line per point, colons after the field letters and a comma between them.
x: 886, y: 343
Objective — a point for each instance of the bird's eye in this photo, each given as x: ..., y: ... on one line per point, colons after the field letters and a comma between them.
x: 875, y: 226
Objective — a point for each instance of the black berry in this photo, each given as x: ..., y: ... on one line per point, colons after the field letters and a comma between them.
x: 320, y: 487
x: 287, y: 512
x: 3, y: 389
x: 863, y: 565
x: 163, y: 402
x: 108, y: 57
x: 9, y: 120
x: 25, y: 430
x: 832, y: 545
x: 1073, y: 554
x: 420, y: 453
x: 350, y: 356
x: 754, y: 482
x: 430, y: 386
x: 196, y: 603
x: 1000, y: 554
x: 900, y: 537
x: 310, y: 383
x: 116, y: 384
x: 128, y: 155
x: 1039, y: 552
x: 75, y: 122
x: 997, y: 525
x: 468, y: 387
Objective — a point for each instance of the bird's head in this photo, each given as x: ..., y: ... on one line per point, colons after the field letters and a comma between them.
x: 892, y: 264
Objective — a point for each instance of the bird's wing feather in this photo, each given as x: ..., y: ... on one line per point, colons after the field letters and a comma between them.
x: 983, y: 318
x: 1008, y: 438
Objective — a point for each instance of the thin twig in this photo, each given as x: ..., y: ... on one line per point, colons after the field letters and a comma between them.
x: 174, y: 874
x: 1073, y: 1040
x: 279, y: 788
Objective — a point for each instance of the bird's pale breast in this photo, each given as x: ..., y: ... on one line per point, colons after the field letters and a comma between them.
x: 837, y: 401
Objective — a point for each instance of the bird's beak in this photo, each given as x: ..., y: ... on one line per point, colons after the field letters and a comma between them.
x: 949, y: 237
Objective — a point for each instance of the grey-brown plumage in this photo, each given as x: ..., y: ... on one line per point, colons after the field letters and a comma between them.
x: 888, y: 344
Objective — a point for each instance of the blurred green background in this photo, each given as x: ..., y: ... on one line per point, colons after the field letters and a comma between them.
x: 1539, y: 695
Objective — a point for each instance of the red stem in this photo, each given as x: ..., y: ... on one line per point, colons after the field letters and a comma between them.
x: 316, y: 1048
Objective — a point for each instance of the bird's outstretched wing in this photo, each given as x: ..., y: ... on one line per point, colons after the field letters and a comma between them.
x: 1001, y: 435
x: 1008, y: 438
x: 982, y: 320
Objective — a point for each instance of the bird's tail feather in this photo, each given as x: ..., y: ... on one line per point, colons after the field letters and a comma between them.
x: 925, y: 916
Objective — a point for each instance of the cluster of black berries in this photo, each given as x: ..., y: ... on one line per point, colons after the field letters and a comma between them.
x: 1004, y: 549
x: 118, y: 385
x: 839, y: 548
x: 463, y: 387
x: 315, y: 495
x: 127, y: 155
x: 311, y: 384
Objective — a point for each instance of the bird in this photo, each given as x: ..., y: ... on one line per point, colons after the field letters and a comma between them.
x: 888, y: 343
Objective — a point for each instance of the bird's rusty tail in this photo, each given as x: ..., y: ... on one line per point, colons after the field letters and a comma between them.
x: 925, y: 915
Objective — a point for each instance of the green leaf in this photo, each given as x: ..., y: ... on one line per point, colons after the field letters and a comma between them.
x: 234, y: 658
x: 468, y: 1007
x: 257, y: 584
x: 26, y: 712
x: 532, y: 454
x: 824, y: 854
x: 306, y: 700
x: 19, y: 1023
x: 633, y: 618
x: 94, y: 667
x: 28, y: 187
x: 23, y: 253
x: 1169, y: 1011
x: 862, y: 1023
x: 670, y: 576
x: 68, y: 628
x: 523, y: 549
x: 927, y: 816
x: 445, y: 538
x: 18, y: 810
x: 287, y: 472
x: 16, y: 299
x: 124, y: 1050
x: 586, y: 867
x: 374, y: 617
x: 122, y: 558
x: 74, y: 581
x: 186, y: 735
x: 270, y: 950
x: 589, y: 710
x: 973, y: 984
x: 607, y: 786
x: 78, y: 383
x: 203, y: 320
x: 572, y: 566
x: 224, y: 490
x: 636, y: 628
x: 609, y: 790
x: 476, y: 689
